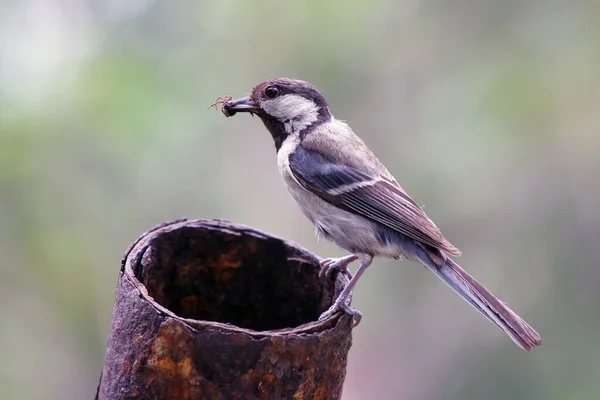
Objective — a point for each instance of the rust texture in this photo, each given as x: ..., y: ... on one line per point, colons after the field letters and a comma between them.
x: 214, y: 310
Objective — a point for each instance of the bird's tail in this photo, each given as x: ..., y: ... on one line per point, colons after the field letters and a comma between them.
x: 486, y: 303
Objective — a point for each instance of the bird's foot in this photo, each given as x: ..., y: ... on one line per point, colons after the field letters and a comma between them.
x: 329, y: 265
x: 356, y: 315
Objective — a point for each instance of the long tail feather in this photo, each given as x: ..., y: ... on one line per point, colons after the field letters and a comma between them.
x: 489, y: 305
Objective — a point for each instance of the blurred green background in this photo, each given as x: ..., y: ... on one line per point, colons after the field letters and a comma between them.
x: 487, y: 112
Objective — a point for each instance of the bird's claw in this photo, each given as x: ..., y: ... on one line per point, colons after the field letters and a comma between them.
x: 329, y: 265
x: 356, y: 315
x: 342, y: 303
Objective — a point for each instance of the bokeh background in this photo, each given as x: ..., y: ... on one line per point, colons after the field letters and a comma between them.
x: 487, y: 112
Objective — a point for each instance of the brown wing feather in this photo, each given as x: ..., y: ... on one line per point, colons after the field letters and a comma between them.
x: 372, y: 196
x: 387, y: 203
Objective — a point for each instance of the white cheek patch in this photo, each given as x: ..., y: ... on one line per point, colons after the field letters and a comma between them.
x: 295, y: 112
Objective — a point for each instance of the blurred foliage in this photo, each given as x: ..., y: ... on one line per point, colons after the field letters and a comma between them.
x: 487, y: 112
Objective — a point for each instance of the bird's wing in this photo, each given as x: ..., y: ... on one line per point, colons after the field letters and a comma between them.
x: 375, y: 197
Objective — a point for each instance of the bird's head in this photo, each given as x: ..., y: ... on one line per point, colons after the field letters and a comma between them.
x: 286, y: 106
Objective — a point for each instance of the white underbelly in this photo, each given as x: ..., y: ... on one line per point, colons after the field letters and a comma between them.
x: 349, y: 231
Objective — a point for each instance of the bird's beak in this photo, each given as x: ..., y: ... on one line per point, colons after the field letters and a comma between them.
x: 245, y: 104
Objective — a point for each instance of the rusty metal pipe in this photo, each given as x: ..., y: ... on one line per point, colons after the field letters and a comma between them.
x: 213, y: 310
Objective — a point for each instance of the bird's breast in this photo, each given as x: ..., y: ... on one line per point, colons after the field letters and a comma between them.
x: 348, y: 230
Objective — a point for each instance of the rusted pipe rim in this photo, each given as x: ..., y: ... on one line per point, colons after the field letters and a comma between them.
x: 136, y: 253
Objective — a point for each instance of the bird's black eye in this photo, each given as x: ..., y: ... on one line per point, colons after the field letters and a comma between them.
x: 271, y: 91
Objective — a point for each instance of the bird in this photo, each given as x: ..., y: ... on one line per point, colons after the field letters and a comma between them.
x: 355, y: 202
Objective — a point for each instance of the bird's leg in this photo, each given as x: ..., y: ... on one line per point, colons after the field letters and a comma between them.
x: 340, y: 302
x: 328, y: 265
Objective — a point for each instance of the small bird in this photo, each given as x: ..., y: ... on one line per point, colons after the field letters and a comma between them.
x: 353, y: 201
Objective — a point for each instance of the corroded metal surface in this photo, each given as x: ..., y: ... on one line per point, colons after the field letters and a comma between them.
x: 213, y: 310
